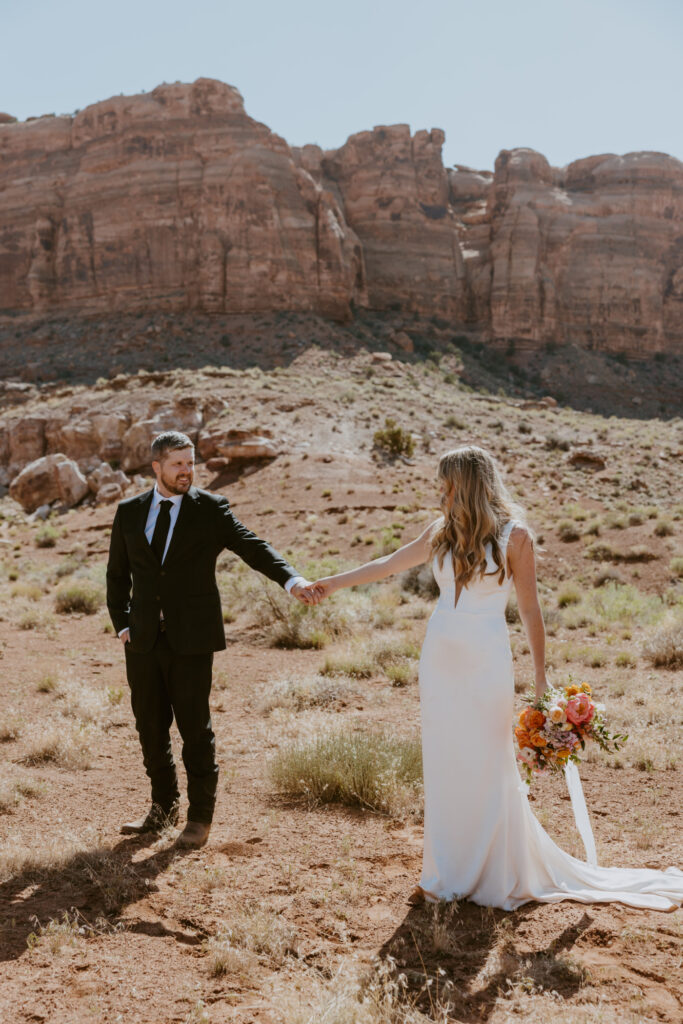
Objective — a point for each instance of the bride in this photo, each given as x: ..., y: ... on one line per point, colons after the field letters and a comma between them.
x: 481, y: 838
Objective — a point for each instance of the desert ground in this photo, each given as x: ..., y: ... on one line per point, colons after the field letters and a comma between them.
x: 296, y: 911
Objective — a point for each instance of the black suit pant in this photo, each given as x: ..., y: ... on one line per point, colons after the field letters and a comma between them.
x: 164, y: 684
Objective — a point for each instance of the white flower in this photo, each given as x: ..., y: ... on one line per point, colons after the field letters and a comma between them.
x: 557, y: 714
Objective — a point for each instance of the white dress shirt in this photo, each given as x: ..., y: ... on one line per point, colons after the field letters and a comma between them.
x: 176, y: 500
x: 153, y: 515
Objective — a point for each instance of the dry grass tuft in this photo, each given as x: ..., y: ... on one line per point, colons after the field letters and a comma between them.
x: 356, y: 994
x: 53, y: 854
x: 116, y: 881
x: 10, y: 727
x: 68, y: 746
x: 79, y: 596
x: 56, y: 934
x: 302, y: 693
x: 664, y: 649
x: 13, y: 792
x: 359, y: 769
x: 256, y: 931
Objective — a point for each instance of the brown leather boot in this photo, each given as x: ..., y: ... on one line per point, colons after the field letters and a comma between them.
x: 194, y: 835
x: 156, y: 820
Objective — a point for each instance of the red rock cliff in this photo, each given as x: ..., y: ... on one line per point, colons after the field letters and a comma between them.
x: 178, y: 200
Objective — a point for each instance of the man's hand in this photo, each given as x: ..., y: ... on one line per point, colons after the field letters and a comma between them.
x: 305, y: 593
x: 125, y: 637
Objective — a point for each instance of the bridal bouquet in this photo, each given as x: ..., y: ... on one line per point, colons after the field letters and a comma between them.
x: 552, y: 730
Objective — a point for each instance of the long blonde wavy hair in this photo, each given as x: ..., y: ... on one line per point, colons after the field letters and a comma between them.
x: 476, y: 507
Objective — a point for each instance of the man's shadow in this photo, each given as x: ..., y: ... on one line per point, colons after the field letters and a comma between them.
x: 455, y: 943
x: 97, y: 883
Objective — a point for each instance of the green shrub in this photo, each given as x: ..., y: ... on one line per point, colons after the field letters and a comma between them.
x: 676, y: 566
x: 600, y: 551
x: 567, y: 530
x: 638, y: 553
x: 606, y: 574
x: 401, y: 673
x: 358, y: 769
x: 359, y: 665
x: 569, y: 594
x: 46, y: 536
x: 623, y: 604
x: 555, y: 443
x: 394, y: 440
x: 79, y: 596
x: 664, y: 528
x: 664, y: 649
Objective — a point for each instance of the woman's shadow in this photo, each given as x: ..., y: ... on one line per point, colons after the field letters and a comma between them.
x: 97, y: 884
x: 471, y: 955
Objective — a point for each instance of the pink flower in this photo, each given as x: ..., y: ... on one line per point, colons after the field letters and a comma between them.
x: 580, y: 709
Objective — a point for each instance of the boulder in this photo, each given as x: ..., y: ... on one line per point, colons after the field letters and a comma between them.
x: 26, y: 441
x: 104, y: 476
x: 110, y: 492
x: 47, y: 479
x: 109, y: 428
x: 245, y: 444
x: 71, y: 484
x: 583, y: 458
x: 217, y: 463
x: 137, y: 440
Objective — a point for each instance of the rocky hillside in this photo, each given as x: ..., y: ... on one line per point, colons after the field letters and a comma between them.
x: 178, y: 201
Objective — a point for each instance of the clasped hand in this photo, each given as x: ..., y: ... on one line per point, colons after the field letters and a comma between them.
x: 313, y: 593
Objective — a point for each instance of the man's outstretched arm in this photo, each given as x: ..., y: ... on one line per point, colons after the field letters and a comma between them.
x: 261, y: 556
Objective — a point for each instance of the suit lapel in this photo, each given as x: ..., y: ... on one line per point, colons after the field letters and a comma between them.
x: 141, y: 520
x: 183, y: 524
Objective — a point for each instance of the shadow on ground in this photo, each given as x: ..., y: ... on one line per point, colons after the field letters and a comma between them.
x: 97, y: 883
x: 477, y: 949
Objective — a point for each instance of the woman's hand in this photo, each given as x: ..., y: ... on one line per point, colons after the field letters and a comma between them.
x: 322, y: 588
x: 541, y: 687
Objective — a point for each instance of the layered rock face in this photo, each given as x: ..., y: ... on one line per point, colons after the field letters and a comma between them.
x: 172, y: 200
x: 177, y: 200
x: 590, y: 254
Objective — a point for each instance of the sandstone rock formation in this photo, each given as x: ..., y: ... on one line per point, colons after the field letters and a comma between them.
x: 178, y: 200
x: 48, y: 479
x: 107, y: 484
x: 203, y: 208
x: 91, y: 433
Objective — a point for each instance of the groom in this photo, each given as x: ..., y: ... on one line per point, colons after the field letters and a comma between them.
x: 164, y: 602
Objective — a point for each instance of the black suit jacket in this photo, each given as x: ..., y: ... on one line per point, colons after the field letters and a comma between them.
x: 184, y: 587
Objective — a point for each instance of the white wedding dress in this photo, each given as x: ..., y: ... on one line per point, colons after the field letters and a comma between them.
x: 481, y: 838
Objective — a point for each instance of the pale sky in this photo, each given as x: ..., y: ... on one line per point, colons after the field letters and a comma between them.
x: 568, y: 79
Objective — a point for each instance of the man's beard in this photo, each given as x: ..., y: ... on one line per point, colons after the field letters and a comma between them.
x: 175, y: 488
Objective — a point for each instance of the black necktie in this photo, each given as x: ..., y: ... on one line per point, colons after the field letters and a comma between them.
x: 161, y: 529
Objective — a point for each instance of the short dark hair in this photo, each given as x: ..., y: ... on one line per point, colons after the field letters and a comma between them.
x: 169, y: 441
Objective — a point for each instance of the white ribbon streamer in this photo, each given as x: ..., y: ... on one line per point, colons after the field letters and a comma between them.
x: 583, y: 823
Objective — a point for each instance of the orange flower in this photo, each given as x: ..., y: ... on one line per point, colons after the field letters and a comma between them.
x: 563, y: 754
x: 586, y: 687
x: 572, y: 690
x: 523, y: 738
x: 532, y: 719
x: 538, y: 739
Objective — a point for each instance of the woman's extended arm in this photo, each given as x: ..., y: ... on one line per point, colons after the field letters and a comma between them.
x: 406, y: 557
x: 523, y: 566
